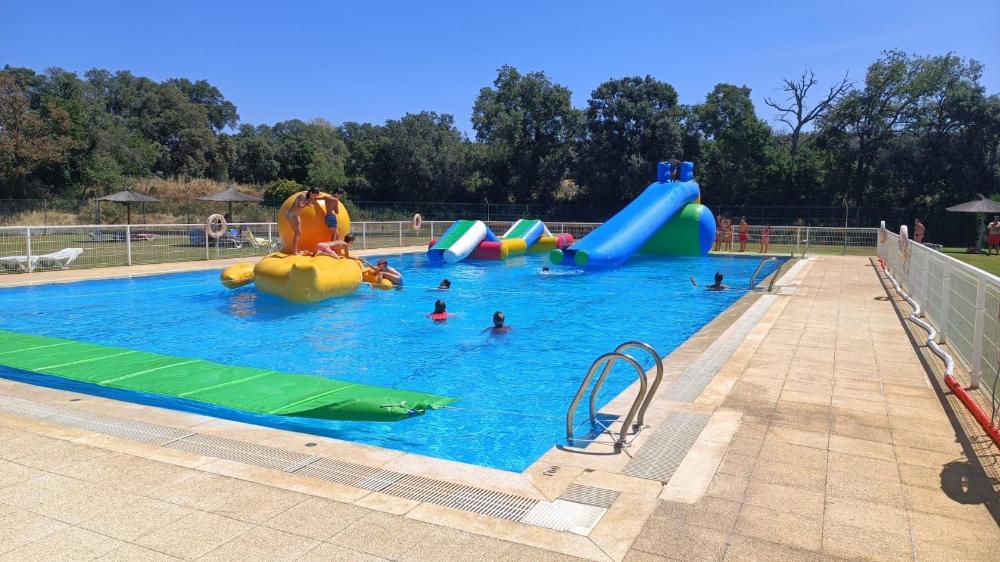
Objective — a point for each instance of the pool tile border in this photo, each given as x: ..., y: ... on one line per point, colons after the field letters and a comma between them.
x: 621, y: 500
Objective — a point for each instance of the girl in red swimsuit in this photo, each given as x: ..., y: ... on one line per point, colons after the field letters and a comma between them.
x: 439, y: 314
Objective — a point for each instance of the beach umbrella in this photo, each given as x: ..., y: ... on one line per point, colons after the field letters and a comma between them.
x: 980, y: 206
x: 128, y: 197
x: 230, y: 195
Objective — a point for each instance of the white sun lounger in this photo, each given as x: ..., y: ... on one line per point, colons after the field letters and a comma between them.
x: 260, y: 242
x: 63, y: 258
x: 18, y: 263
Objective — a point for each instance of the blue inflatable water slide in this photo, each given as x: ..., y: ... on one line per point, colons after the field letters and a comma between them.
x: 665, y: 219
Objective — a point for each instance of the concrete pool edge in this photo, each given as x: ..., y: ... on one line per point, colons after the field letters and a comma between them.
x: 636, y: 496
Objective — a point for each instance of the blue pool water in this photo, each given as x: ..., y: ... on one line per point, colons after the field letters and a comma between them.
x: 513, y: 389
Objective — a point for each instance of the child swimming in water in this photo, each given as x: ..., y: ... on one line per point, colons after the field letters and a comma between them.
x: 498, y: 328
x: 440, y: 313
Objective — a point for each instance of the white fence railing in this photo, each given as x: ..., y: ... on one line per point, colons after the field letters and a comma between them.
x: 800, y: 239
x: 962, y: 301
x: 25, y: 249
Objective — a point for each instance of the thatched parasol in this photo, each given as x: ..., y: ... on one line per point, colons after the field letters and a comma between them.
x: 230, y: 195
x: 980, y: 206
x: 128, y: 197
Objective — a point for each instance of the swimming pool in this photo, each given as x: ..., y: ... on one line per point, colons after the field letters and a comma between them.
x: 513, y: 389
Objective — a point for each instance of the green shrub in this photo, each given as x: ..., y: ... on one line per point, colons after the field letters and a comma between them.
x: 277, y: 191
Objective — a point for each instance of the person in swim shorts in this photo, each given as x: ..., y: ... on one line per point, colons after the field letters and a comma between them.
x: 440, y: 313
x: 498, y: 328
x: 993, y: 236
x: 744, y: 233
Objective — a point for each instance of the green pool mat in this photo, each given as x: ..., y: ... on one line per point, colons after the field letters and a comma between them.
x: 243, y: 388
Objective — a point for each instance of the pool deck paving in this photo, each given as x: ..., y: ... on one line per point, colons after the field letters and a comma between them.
x: 823, y: 434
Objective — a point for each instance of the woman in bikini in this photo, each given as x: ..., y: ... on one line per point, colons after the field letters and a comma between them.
x: 293, y: 215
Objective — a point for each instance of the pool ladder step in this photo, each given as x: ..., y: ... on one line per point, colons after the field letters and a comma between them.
x: 777, y: 272
x: 642, y: 399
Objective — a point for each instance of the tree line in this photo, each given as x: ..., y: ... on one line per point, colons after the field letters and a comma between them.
x: 913, y: 131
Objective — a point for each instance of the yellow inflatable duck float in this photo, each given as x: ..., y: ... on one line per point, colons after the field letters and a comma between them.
x: 311, y: 278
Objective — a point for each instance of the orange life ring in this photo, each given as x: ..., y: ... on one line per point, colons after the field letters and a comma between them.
x: 215, y: 226
x: 417, y: 221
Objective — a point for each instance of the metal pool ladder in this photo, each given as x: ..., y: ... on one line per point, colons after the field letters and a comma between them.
x: 642, y: 400
x: 770, y: 286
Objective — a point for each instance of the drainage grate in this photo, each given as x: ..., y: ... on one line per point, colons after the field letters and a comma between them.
x: 589, y: 495
x: 126, y: 429
x: 667, y: 447
x: 28, y: 408
x: 350, y: 474
x: 562, y: 515
x: 115, y: 427
x: 577, y: 511
x: 690, y: 385
x: 240, y: 451
x: 459, y: 496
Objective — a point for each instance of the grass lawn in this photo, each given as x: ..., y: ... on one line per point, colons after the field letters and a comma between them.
x: 989, y: 264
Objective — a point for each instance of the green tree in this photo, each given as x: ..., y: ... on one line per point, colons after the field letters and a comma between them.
x: 33, y: 139
x: 421, y: 157
x: 277, y: 192
x: 738, y: 150
x: 527, y: 124
x: 630, y: 125
x: 221, y: 112
x: 921, y: 131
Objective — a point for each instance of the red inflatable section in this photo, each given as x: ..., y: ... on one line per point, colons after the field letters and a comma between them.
x: 564, y: 240
x: 488, y: 251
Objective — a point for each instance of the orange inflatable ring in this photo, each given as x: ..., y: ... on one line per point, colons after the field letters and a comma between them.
x: 215, y: 226
x: 417, y: 221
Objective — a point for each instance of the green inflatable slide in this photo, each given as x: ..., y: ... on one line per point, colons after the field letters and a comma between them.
x: 243, y: 388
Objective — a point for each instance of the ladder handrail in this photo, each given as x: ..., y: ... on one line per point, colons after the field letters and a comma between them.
x: 774, y: 277
x: 611, y: 358
x: 648, y: 395
x: 753, y: 278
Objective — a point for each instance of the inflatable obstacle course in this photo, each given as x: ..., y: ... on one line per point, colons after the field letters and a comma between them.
x: 461, y: 239
x: 304, y: 279
x: 665, y: 219
x: 242, y: 388
x: 524, y: 236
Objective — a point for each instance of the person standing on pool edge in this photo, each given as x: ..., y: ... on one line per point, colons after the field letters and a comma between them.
x: 744, y: 233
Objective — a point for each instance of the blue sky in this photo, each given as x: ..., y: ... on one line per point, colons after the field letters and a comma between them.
x: 376, y: 60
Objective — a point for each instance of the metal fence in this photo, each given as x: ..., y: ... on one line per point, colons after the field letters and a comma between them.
x: 962, y: 301
x: 24, y: 249
x: 797, y: 240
